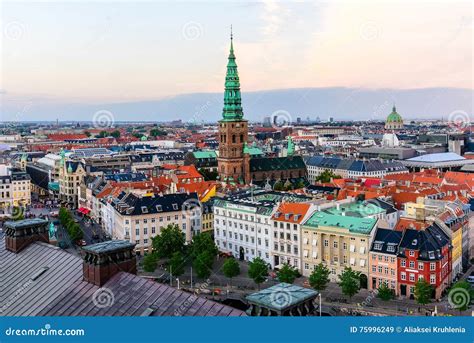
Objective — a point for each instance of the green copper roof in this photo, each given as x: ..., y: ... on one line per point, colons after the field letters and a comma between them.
x: 353, y: 224
x: 281, y: 296
x: 394, y: 116
x: 253, y: 150
x: 205, y: 154
x: 232, y: 100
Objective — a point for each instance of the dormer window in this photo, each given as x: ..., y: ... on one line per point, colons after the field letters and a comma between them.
x: 378, y: 246
x: 175, y: 207
x: 144, y: 209
x: 159, y: 208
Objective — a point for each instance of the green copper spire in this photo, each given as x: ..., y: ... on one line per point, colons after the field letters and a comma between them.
x: 232, y: 100
x: 291, y: 147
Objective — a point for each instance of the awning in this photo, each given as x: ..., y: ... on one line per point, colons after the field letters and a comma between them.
x: 84, y: 210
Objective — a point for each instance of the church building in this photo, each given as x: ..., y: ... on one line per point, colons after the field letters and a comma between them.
x: 236, y: 162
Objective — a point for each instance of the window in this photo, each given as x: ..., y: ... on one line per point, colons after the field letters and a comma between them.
x: 433, y: 279
x: 420, y: 266
x: 306, y: 266
x: 326, y: 243
x: 412, y: 277
x: 432, y: 266
x: 335, y: 244
x: 403, y: 263
x: 412, y: 253
x: 412, y: 264
x: 403, y: 276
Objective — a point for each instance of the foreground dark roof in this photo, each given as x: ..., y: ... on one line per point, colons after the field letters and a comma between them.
x: 43, y: 280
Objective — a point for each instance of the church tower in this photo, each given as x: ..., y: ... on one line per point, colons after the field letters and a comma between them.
x: 233, y: 128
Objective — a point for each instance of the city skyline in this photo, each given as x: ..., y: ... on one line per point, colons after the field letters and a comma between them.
x: 191, y: 51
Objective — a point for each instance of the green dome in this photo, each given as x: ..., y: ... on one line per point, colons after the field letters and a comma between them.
x: 394, y: 117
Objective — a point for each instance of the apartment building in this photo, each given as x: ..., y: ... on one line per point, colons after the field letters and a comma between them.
x: 338, y: 241
x: 70, y: 178
x: 139, y: 218
x: 243, y: 223
x: 15, y: 188
x: 286, y: 222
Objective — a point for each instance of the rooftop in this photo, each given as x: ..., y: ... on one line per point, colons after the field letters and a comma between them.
x: 281, y: 296
x: 352, y: 224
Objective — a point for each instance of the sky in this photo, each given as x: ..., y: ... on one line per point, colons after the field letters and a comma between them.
x: 104, y: 51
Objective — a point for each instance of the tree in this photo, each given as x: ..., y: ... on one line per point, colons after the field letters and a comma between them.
x: 349, y: 281
x: 157, y: 132
x: 258, y: 271
x: 287, y: 274
x: 231, y: 268
x: 176, y: 264
x: 169, y: 241
x: 423, y: 292
x: 203, y: 242
x: 461, y: 295
x: 300, y: 184
x: 87, y: 133
x: 150, y: 262
x: 385, y: 293
x: 102, y: 134
x: 319, y: 277
x: 203, y: 264
x: 115, y: 134
x: 326, y: 176
x: 278, y: 186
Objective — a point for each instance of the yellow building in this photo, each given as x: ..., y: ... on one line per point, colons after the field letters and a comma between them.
x: 207, y: 217
x: 338, y: 241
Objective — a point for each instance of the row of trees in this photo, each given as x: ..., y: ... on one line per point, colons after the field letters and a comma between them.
x: 72, y: 228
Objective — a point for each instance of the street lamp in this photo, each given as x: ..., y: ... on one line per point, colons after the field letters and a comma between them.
x: 178, y: 282
x: 320, y: 304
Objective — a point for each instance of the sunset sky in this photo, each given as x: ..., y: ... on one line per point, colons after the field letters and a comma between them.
x: 121, y: 51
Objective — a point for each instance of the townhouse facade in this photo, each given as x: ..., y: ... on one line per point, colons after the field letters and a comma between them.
x: 286, y: 222
x: 424, y: 254
x: 383, y: 264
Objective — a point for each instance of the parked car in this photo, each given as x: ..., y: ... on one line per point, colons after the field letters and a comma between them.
x: 81, y: 243
x: 470, y: 278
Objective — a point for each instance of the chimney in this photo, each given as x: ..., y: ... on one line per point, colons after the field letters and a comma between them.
x: 103, y: 260
x: 19, y: 234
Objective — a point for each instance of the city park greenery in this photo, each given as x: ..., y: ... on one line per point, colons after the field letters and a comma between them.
x: 326, y: 176
x: 258, y: 271
x: 319, y: 277
x: 231, y: 268
x: 73, y: 229
x: 349, y: 281
x: 423, y: 292
x: 287, y: 274
x: 170, y: 245
x: 385, y: 293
